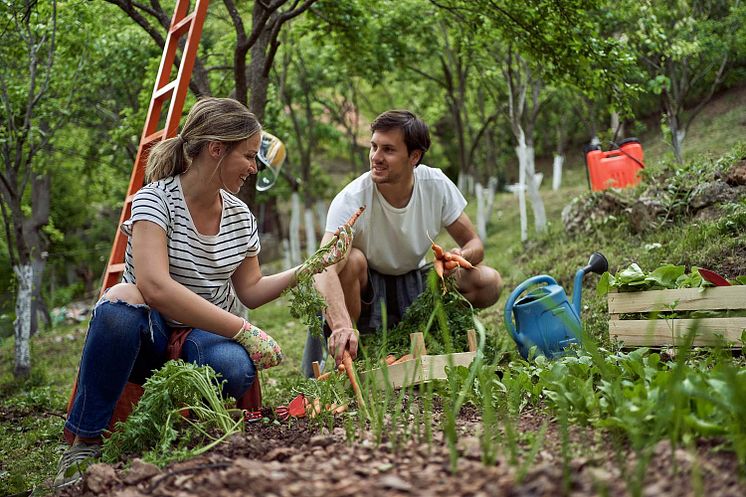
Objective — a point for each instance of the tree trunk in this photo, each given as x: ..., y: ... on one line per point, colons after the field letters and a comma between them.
x: 677, y: 137
x: 537, y: 204
x: 481, y: 214
x: 22, y: 325
x: 321, y: 210
x: 559, y: 160
x: 311, y: 243
x: 294, y: 229
x: 520, y: 151
x: 617, y: 126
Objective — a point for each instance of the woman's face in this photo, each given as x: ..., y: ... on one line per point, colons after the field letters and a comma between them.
x: 240, y: 163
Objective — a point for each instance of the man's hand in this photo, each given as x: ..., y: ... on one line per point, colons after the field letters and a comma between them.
x: 343, y: 339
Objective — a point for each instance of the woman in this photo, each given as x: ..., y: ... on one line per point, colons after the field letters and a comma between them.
x: 191, y: 260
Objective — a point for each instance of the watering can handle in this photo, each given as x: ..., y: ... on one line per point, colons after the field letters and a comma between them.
x: 508, y: 313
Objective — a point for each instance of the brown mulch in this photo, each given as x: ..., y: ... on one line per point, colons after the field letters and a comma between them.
x: 299, y: 459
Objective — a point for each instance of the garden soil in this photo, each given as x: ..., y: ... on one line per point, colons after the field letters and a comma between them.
x: 298, y: 458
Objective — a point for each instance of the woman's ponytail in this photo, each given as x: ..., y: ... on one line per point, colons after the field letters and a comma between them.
x: 166, y: 159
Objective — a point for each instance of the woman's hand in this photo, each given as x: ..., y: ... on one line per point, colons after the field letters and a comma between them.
x: 331, y: 253
x: 263, y: 350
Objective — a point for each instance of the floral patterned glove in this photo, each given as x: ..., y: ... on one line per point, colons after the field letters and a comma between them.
x: 262, y: 348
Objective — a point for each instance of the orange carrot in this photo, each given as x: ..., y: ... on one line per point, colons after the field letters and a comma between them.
x: 438, y: 251
x: 352, y: 219
x: 462, y: 261
x: 450, y: 265
x: 390, y: 359
x: 324, y: 376
x: 439, y: 268
x: 350, y: 370
x: 404, y: 358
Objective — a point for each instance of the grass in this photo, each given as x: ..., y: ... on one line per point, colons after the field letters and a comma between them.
x: 603, y: 388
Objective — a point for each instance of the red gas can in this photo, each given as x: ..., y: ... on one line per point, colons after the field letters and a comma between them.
x: 616, y: 168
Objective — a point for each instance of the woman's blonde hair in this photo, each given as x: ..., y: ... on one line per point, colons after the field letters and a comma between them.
x: 210, y: 120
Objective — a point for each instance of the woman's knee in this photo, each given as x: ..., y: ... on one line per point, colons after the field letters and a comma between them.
x: 239, y: 373
x: 124, y: 292
x: 229, y: 359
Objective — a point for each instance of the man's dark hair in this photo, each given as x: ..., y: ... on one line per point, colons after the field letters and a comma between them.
x: 416, y: 134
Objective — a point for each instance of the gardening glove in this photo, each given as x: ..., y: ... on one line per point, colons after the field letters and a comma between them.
x: 262, y: 348
x: 331, y: 253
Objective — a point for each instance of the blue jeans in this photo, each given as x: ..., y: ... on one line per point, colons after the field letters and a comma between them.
x: 126, y: 342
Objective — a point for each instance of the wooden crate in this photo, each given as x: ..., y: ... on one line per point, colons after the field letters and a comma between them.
x: 423, y: 367
x: 668, y: 332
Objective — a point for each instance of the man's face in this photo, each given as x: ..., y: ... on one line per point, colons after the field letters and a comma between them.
x: 390, y: 163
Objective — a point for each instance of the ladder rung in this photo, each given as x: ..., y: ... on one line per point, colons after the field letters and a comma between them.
x: 182, y: 26
x: 153, y: 138
x: 116, y: 268
x: 164, y: 92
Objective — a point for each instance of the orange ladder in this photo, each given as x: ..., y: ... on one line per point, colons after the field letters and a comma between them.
x: 183, y: 23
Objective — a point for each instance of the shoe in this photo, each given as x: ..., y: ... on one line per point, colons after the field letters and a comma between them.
x: 74, y: 462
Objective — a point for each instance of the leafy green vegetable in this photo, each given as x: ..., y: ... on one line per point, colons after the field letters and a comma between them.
x: 420, y: 317
x: 157, y: 427
x: 634, y: 279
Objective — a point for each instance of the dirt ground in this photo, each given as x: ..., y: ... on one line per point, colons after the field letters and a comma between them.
x: 296, y: 459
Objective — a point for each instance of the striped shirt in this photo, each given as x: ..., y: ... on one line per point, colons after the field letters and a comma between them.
x: 202, y: 263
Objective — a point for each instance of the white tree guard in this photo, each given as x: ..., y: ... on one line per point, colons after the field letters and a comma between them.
x: 481, y: 211
x: 311, y: 243
x: 294, y: 229
x: 559, y: 160
x: 25, y: 276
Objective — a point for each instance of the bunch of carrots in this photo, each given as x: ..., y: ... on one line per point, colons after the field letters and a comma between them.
x: 447, y: 261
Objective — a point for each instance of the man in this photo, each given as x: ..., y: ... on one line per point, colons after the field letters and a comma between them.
x: 406, y: 203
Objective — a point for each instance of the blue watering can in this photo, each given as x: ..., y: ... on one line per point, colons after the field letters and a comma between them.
x: 544, y: 317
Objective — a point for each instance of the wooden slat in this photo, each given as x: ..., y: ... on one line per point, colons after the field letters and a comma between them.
x: 415, y: 371
x: 689, y: 299
x: 663, y: 333
x: 116, y: 268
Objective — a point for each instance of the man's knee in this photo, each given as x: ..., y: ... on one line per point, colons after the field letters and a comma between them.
x: 124, y: 292
x: 482, y: 286
x: 356, y: 266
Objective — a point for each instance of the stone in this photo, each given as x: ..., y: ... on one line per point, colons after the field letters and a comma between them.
x: 139, y: 471
x: 710, y: 193
x: 736, y: 175
x: 100, y: 477
x: 394, y: 482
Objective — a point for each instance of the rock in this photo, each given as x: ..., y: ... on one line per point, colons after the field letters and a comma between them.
x: 139, y: 471
x: 644, y: 213
x: 100, y: 477
x: 279, y: 454
x: 736, y: 175
x: 585, y: 212
x: 711, y: 193
x: 321, y: 441
x: 129, y: 492
x: 709, y: 213
x: 395, y: 483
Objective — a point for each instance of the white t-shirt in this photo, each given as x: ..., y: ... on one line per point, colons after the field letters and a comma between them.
x: 202, y: 263
x: 395, y: 240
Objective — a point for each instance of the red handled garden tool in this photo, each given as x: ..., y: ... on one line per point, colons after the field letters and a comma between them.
x: 713, y: 277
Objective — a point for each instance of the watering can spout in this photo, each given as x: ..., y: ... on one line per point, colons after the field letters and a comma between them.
x: 596, y: 264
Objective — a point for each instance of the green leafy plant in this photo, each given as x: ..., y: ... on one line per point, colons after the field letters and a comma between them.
x: 181, y: 414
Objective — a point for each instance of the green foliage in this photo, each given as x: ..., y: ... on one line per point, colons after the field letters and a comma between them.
x: 634, y: 279
x: 440, y: 338
x: 158, y: 427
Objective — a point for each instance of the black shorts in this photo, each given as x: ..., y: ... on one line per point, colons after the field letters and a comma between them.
x: 389, y: 294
